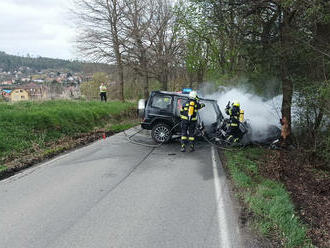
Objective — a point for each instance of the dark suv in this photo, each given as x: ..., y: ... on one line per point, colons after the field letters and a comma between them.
x: 161, y: 114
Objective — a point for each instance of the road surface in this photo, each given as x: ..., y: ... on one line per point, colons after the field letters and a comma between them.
x: 113, y: 193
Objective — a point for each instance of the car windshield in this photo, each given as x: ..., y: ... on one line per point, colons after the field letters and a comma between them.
x: 209, y: 114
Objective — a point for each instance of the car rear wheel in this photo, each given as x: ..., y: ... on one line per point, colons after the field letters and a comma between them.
x: 161, y: 133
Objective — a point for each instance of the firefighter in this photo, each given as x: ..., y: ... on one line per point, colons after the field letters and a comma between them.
x: 235, y: 114
x: 188, y: 115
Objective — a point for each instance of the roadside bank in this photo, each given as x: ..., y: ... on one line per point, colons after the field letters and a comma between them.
x: 268, y: 205
x: 31, y: 132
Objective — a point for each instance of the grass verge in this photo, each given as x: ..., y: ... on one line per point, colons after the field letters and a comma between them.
x: 30, y: 131
x: 268, y: 200
x: 3, y: 168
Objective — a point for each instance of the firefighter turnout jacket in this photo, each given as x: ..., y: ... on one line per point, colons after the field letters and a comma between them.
x: 188, y: 115
x: 189, y: 110
x: 235, y: 115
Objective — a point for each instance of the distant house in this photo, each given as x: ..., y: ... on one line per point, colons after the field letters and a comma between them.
x: 7, y: 82
x: 38, y: 80
x: 16, y: 95
x: 36, y: 92
x: 6, y: 93
x: 25, y: 79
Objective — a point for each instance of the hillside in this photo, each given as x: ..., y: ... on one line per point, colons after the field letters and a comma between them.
x: 13, y: 62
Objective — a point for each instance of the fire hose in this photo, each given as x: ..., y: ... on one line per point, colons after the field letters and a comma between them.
x: 131, y: 140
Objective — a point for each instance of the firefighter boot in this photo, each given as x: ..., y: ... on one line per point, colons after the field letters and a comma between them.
x: 229, y: 139
x: 191, y: 147
x: 183, y: 147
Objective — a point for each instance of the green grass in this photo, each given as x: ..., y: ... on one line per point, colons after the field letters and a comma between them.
x: 31, y: 125
x: 3, y: 168
x: 268, y: 200
x: 121, y: 127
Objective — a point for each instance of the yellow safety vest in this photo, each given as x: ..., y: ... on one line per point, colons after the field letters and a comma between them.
x: 103, y: 88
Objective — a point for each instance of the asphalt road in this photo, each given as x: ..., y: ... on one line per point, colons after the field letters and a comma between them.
x: 113, y: 193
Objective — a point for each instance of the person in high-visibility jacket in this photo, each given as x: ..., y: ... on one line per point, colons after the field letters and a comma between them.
x: 236, y: 116
x: 103, y: 92
x: 188, y: 114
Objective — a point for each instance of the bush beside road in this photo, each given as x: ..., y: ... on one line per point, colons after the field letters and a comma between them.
x: 33, y: 131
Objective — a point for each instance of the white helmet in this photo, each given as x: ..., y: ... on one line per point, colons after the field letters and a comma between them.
x: 193, y: 94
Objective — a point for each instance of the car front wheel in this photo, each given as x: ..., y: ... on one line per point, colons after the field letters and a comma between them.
x: 161, y: 133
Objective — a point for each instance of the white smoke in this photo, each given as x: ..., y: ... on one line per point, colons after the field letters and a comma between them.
x: 261, y: 114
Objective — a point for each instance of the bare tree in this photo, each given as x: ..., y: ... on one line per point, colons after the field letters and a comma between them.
x: 100, y: 37
x: 166, y: 46
x: 140, y: 34
x: 138, y: 17
x: 152, y: 39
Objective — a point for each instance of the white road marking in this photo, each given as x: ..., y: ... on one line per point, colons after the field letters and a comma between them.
x: 222, y: 221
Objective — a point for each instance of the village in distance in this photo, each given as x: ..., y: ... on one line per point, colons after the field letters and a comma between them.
x: 37, y: 78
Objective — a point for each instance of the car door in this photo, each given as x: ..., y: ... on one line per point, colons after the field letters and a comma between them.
x: 161, y: 106
x: 178, y: 101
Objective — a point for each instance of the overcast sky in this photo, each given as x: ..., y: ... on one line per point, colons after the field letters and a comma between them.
x: 37, y: 27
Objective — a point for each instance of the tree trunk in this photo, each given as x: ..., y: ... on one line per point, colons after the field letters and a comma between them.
x: 164, y: 80
x: 287, y: 84
x: 121, y: 82
x: 287, y: 88
x: 146, y: 86
x: 200, y: 75
x: 113, y: 20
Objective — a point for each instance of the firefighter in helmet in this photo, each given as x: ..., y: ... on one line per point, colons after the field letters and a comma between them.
x: 236, y: 116
x: 188, y: 115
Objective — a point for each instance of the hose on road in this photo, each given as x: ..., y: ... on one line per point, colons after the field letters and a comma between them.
x: 129, y: 138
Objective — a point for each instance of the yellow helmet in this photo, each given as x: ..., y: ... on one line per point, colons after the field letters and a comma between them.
x: 236, y: 103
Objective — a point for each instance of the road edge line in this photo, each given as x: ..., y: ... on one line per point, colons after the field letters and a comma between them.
x: 222, y: 221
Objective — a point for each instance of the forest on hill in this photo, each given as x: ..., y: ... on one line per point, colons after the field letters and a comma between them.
x: 14, y: 62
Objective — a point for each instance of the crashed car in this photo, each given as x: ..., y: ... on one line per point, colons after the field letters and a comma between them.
x: 161, y: 115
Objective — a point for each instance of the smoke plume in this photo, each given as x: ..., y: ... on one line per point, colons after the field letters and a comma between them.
x: 262, y: 115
